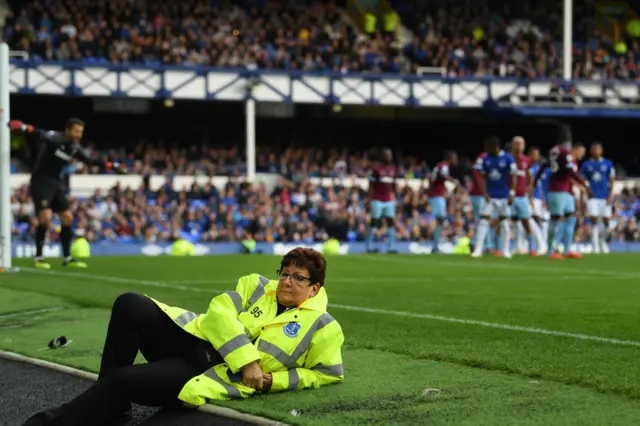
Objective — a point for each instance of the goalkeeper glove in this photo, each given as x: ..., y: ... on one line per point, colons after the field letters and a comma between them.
x: 19, y: 125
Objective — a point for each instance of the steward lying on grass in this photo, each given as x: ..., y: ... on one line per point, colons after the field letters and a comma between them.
x: 266, y: 336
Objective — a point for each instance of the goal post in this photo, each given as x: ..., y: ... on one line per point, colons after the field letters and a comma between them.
x: 5, y: 156
x: 5, y: 161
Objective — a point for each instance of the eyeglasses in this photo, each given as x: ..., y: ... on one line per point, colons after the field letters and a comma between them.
x: 295, y: 278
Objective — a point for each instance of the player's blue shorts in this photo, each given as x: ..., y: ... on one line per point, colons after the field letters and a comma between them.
x: 438, y: 207
x: 477, y: 202
x: 380, y: 209
x: 571, y: 204
x: 561, y: 203
x: 521, y: 208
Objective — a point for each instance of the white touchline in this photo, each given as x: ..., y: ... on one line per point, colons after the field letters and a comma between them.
x: 490, y: 325
x: 534, y: 330
x: 107, y: 278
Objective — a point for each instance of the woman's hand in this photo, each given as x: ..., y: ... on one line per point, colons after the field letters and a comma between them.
x: 252, y: 375
x: 266, y: 382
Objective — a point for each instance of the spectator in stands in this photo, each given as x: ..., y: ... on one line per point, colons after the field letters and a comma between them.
x: 291, y: 212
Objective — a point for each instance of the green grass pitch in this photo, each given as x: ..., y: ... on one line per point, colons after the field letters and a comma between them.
x: 429, y: 339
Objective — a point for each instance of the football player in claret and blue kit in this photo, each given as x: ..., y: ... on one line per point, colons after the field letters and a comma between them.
x: 523, y: 202
x: 560, y: 199
x: 438, y: 193
x: 382, y: 195
x: 477, y: 203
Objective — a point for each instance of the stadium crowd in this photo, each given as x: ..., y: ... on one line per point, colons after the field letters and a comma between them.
x: 295, y: 211
x: 462, y: 37
x: 295, y: 163
x: 293, y: 35
x: 522, y: 39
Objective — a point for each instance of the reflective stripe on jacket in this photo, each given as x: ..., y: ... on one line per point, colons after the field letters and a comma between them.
x: 301, y: 347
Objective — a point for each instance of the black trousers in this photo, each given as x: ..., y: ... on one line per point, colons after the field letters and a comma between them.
x: 174, y: 357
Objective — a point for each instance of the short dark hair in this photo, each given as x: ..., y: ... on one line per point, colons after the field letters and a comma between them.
x: 492, y: 141
x: 74, y: 122
x: 310, y: 259
x: 577, y: 145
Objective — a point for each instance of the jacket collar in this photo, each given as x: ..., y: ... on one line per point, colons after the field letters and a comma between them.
x: 319, y: 302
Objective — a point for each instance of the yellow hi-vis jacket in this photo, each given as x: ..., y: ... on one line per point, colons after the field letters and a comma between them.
x: 301, y: 347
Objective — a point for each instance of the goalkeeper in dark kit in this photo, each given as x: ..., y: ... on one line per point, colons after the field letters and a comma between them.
x: 51, y: 152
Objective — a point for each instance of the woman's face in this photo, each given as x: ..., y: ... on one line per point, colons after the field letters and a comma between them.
x: 294, y: 286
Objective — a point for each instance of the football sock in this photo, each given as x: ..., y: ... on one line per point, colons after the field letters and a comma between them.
x: 537, y: 232
x: 370, y: 234
x: 595, y: 235
x: 504, y: 233
x: 392, y: 238
x: 65, y: 239
x: 551, y: 234
x: 41, y: 235
x: 491, y: 239
x: 604, y: 233
x: 569, y: 233
x: 483, y: 230
x: 520, y: 237
x: 436, y: 235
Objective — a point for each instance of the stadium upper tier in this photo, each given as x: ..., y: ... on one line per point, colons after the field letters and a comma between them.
x: 456, y: 38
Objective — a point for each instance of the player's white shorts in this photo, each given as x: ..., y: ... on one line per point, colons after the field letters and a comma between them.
x: 496, y: 207
x: 545, y: 215
x: 537, y: 208
x: 598, y: 207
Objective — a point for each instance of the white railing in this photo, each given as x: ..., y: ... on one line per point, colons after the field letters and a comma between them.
x: 85, y: 185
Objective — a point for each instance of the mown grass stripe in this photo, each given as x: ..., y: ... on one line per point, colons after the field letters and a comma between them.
x: 524, y: 329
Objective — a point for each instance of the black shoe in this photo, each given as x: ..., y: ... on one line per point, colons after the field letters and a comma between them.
x: 372, y: 251
x: 125, y: 417
x: 41, y: 418
x: 392, y: 252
